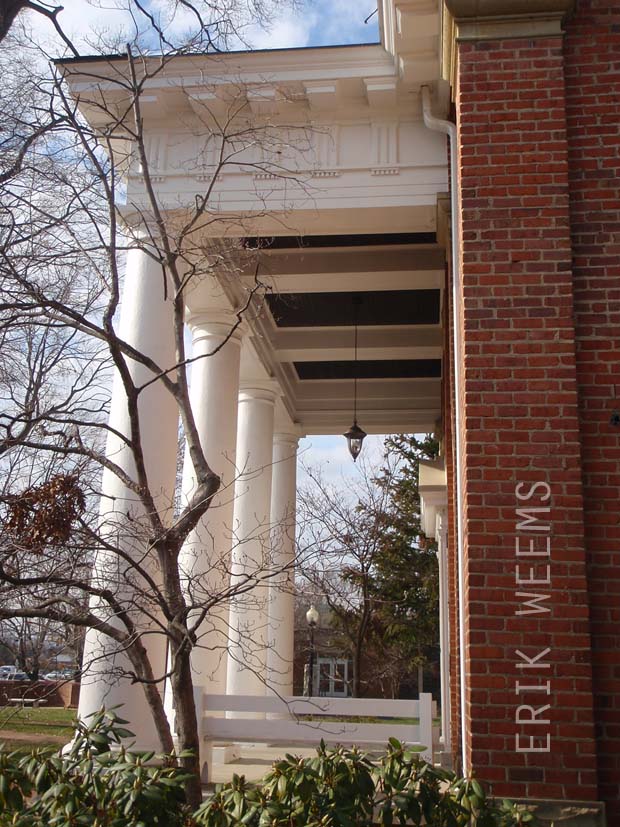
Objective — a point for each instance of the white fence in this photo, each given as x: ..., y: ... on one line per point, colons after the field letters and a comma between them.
x: 280, y: 721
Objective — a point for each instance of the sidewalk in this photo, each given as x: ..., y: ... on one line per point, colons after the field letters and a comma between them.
x: 254, y: 761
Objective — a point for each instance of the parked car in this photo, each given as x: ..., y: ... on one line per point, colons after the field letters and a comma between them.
x: 60, y: 675
x: 17, y: 676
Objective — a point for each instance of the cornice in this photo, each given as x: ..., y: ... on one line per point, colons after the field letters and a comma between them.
x: 243, y: 67
x: 468, y: 9
x: 493, y: 19
x: 269, y: 85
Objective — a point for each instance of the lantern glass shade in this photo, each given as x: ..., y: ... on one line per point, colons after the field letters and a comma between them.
x: 355, y: 437
x: 312, y: 616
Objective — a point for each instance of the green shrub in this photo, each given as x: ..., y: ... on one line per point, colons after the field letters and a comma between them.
x: 97, y: 782
x: 100, y: 784
x: 343, y: 788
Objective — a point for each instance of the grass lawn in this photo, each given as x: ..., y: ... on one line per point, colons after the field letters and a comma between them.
x: 436, y: 721
x: 42, y: 721
x: 365, y: 719
x: 26, y: 746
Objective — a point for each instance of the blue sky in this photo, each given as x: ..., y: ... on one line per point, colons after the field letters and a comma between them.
x: 345, y: 26
x: 312, y: 23
x: 322, y: 23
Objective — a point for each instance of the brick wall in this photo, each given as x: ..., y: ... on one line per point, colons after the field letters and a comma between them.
x: 520, y: 413
x: 592, y: 71
x: 54, y: 693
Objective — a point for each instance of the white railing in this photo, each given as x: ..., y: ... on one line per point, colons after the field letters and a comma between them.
x: 293, y: 726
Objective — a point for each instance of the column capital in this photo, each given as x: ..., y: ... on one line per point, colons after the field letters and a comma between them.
x: 214, y: 321
x: 441, y: 521
x: 289, y: 437
x: 499, y: 19
x: 260, y: 390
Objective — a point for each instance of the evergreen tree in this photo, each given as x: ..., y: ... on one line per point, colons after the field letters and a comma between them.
x: 405, y: 581
x: 363, y: 555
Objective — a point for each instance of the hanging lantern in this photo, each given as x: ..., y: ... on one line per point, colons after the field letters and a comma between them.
x: 355, y: 437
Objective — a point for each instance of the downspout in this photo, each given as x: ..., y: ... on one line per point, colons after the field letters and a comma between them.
x: 449, y: 129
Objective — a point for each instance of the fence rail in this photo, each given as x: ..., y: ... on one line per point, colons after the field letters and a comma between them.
x: 246, y: 720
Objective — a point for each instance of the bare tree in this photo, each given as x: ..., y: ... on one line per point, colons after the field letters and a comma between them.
x: 340, y: 538
x: 27, y: 641
x: 66, y: 230
x: 348, y: 543
x: 215, y: 22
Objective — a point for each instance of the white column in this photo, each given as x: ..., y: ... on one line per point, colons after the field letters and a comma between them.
x: 281, y: 586
x: 251, y: 546
x: 444, y: 626
x: 146, y: 322
x: 205, y: 560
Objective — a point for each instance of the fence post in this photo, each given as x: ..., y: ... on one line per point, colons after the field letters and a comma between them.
x: 426, y: 725
x: 205, y: 749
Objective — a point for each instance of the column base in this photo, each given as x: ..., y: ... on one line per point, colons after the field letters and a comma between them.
x: 225, y: 753
x: 550, y: 812
x: 211, y: 755
x: 445, y: 760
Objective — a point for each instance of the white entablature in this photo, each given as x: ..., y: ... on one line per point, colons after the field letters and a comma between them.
x: 311, y: 134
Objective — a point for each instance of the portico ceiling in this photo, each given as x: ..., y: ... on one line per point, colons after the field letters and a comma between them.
x: 303, y: 330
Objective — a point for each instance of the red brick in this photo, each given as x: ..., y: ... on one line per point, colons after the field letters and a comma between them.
x: 517, y: 288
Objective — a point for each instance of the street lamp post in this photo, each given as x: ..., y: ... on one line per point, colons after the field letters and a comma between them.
x: 312, y: 619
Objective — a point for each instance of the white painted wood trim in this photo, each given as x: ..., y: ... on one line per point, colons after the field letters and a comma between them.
x: 312, y: 706
x: 426, y: 725
x: 294, y: 730
x: 309, y: 732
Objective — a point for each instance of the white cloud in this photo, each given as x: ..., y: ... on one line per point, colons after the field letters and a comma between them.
x: 331, y: 456
x: 318, y: 22
x: 83, y: 22
x: 285, y: 32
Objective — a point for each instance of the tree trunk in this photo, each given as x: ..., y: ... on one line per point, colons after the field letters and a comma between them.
x: 162, y: 725
x: 154, y: 698
x: 9, y: 9
x: 357, y: 670
x: 186, y: 723
x: 360, y: 642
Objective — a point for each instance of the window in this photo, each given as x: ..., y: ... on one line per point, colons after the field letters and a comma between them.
x: 333, y: 677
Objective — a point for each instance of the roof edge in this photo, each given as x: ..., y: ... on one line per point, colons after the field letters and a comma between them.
x: 60, y: 61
